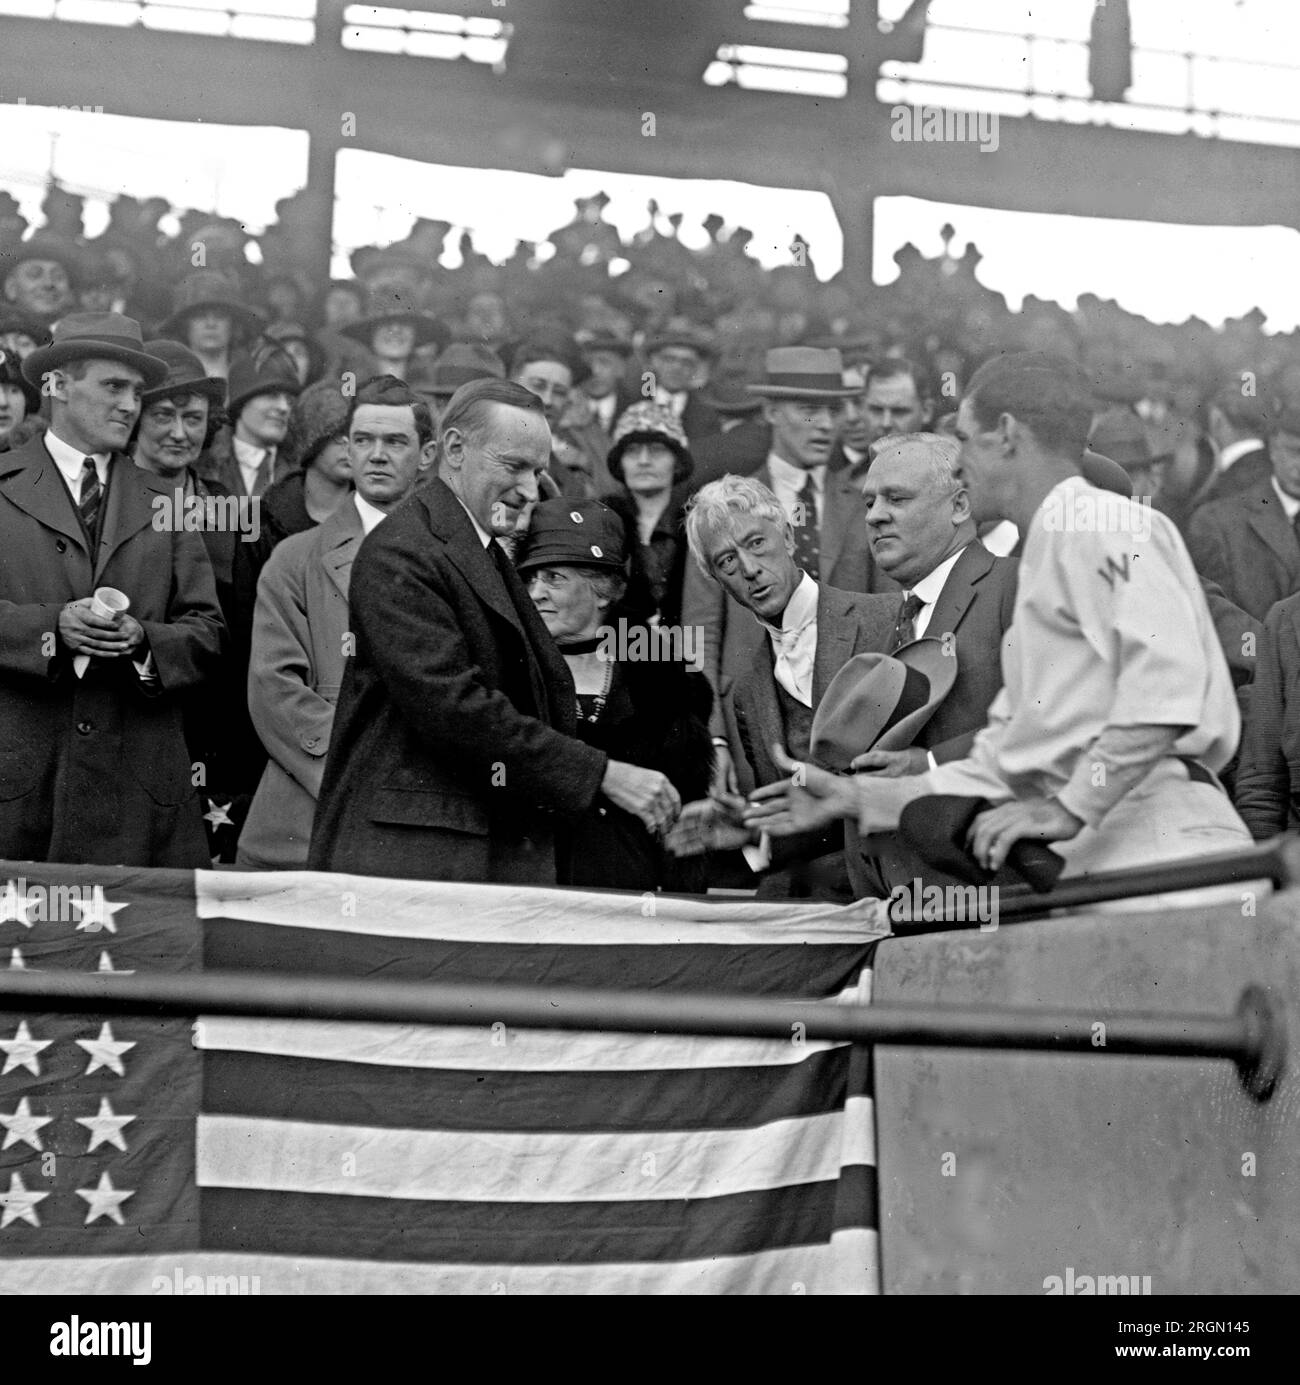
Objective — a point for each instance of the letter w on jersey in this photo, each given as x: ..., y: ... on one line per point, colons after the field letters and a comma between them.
x: 1114, y: 569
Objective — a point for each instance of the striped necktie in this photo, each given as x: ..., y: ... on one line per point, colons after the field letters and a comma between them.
x: 807, y: 545
x: 92, y: 493
x: 905, y: 625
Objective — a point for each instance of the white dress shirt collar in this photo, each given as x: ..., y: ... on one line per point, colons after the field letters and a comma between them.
x: 1235, y: 450
x: 70, y: 461
x: 483, y: 536
x: 928, y: 588
x: 788, y: 477
x: 250, y: 460
x: 1290, y: 505
x: 370, y: 514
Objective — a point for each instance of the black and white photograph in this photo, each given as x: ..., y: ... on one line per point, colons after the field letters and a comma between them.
x: 649, y: 648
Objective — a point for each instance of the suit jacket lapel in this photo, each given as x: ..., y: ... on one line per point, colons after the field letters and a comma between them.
x: 339, y: 543
x: 838, y: 512
x: 959, y: 590
x: 834, y: 641
x: 467, y: 554
x: 759, y: 702
x: 40, y: 490
x: 1269, y: 521
x: 464, y: 549
x: 129, y: 507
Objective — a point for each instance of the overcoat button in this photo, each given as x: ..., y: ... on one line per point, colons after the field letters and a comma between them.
x: 85, y: 727
x: 61, y: 546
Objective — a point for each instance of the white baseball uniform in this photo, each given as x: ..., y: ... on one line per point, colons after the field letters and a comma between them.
x: 1110, y: 630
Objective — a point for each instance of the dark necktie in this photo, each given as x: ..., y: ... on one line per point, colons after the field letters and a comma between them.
x: 905, y: 625
x: 262, y: 480
x: 91, y: 496
x: 514, y: 585
x: 525, y: 610
x: 807, y: 548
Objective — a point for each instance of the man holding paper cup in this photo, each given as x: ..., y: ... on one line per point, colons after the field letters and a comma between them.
x: 106, y: 621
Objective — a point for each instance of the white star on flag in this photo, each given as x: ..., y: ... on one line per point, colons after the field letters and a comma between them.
x: 105, y: 1051
x: 106, y: 965
x: 19, y: 1204
x: 98, y: 913
x: 15, y: 906
x: 104, y: 1200
x: 105, y: 1128
x: 218, y: 813
x: 22, y: 1125
x: 22, y: 1049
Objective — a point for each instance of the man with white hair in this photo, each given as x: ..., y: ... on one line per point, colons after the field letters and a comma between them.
x: 742, y: 540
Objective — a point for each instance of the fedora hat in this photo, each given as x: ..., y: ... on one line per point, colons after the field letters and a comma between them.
x: 692, y: 338
x: 248, y: 379
x: 208, y: 290
x: 46, y: 245
x: 461, y: 362
x: 936, y: 826
x: 1123, y: 437
x: 880, y: 701
x: 803, y: 372
x: 369, y: 260
x: 14, y: 319
x: 731, y: 400
x: 185, y: 374
x: 96, y: 337
x: 604, y: 341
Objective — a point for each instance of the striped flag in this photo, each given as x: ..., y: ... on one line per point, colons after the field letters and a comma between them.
x: 286, y: 1156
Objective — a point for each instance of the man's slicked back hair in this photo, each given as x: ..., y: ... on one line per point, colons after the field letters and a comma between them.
x: 393, y: 393
x: 469, y: 410
x: 1048, y: 394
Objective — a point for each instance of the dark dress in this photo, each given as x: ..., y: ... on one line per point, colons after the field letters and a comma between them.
x: 284, y: 509
x: 658, y: 569
x: 657, y: 716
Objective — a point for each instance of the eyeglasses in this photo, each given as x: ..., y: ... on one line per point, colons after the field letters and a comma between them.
x: 554, y: 578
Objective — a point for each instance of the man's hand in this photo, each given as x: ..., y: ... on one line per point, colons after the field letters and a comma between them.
x: 710, y: 824
x: 891, y: 764
x: 724, y: 783
x: 645, y: 792
x: 995, y: 832
x: 809, y: 800
x: 105, y: 637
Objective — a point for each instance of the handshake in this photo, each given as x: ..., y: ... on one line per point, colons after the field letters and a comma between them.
x: 810, y: 799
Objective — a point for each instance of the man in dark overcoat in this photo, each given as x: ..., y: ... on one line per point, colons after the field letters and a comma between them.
x: 93, y: 764
x: 453, y: 755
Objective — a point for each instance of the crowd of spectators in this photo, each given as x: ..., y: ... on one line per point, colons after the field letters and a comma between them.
x: 660, y: 370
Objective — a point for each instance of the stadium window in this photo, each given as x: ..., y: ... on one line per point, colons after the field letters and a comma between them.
x: 271, y: 21
x: 421, y: 34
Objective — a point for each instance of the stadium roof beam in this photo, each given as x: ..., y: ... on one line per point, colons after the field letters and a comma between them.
x: 533, y: 118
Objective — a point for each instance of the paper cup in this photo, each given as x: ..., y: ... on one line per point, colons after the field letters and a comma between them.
x: 107, y: 601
